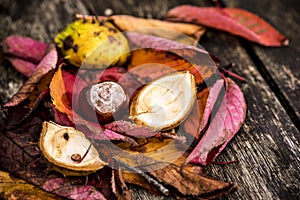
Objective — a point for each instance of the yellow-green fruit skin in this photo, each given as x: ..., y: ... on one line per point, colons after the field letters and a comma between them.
x: 93, y: 44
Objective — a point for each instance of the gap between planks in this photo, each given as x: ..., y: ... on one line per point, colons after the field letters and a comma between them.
x: 268, y: 78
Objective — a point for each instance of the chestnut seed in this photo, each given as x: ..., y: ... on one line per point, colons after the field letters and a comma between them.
x: 102, y: 101
x: 107, y: 97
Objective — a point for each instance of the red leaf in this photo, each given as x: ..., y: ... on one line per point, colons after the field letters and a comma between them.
x: 223, y: 127
x: 47, y: 64
x: 213, y: 96
x: 199, y: 118
x: 59, y: 117
x: 24, y: 48
x: 169, y: 56
x: 24, y: 67
x: 111, y: 135
x: 131, y: 129
x: 58, y: 186
x: 233, y: 20
x: 24, y: 53
x: 29, y: 96
x: 158, y: 43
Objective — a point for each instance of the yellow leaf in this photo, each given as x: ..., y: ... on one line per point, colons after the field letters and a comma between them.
x: 14, y: 188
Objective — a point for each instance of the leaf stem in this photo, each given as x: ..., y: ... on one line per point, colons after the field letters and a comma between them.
x: 151, y: 180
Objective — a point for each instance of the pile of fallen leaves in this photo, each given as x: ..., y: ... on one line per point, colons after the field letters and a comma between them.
x: 164, y: 162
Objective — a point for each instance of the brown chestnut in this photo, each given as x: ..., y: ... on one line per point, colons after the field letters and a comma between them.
x: 104, y: 99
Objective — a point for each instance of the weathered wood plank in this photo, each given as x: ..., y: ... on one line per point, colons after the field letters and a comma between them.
x: 280, y: 65
x: 267, y: 147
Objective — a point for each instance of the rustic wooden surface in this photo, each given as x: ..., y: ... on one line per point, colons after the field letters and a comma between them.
x: 267, y: 146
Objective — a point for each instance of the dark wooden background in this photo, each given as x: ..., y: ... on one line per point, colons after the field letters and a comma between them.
x: 267, y: 146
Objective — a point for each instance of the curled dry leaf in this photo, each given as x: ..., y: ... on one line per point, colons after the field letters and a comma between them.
x: 36, y: 82
x: 189, y: 184
x: 176, y: 31
x: 224, y: 125
x: 21, y: 105
x: 233, y: 20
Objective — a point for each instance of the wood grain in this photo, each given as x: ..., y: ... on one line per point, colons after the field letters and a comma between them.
x: 267, y: 147
x: 279, y: 66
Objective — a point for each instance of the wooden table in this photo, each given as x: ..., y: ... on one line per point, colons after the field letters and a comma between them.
x: 267, y: 146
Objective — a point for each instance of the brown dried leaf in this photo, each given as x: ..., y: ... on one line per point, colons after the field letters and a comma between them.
x: 190, y: 184
x: 182, y: 183
x: 169, y: 30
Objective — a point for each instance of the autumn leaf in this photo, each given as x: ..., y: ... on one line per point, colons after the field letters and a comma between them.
x: 21, y: 156
x: 176, y: 31
x: 24, y: 48
x: 192, y: 185
x: 24, y: 67
x: 169, y: 177
x: 201, y: 114
x: 224, y: 125
x: 47, y: 64
x: 59, y: 186
x: 131, y: 129
x: 233, y: 20
x: 21, y: 105
x: 14, y: 188
x: 23, y: 52
x: 153, y: 57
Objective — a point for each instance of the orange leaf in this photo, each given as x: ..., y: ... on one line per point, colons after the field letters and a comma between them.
x: 151, y: 64
x: 58, y: 93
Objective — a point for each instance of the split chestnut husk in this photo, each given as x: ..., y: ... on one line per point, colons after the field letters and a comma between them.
x: 87, y: 44
x: 68, y: 148
x: 164, y: 103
